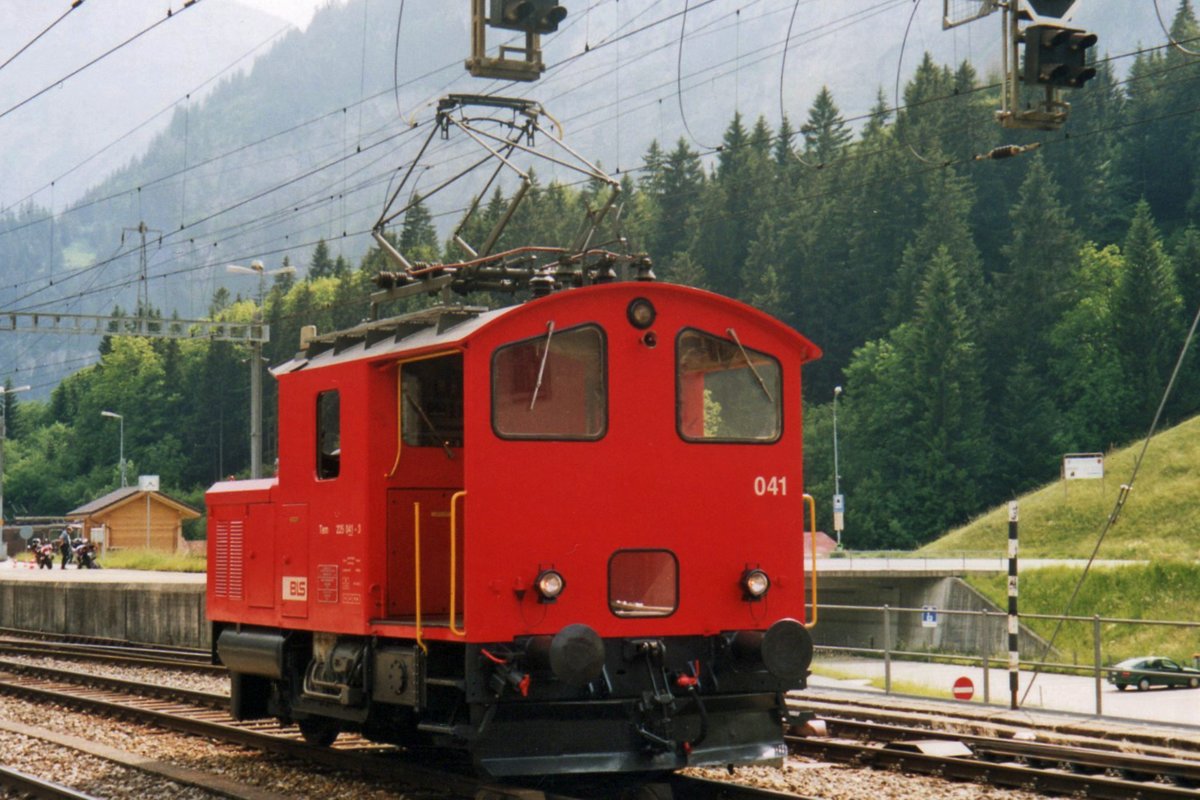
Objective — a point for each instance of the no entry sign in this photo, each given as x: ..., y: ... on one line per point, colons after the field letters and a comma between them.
x: 964, y: 689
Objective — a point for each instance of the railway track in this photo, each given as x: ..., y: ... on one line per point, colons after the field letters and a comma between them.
x: 205, y: 714
x: 23, y: 785
x: 1105, y: 772
x: 102, y: 651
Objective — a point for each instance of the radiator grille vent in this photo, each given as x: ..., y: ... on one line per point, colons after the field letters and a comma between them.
x: 227, y: 582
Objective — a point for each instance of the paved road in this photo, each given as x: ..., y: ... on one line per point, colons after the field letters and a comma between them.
x: 1064, y: 693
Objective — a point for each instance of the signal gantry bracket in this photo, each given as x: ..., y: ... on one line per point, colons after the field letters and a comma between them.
x: 514, y: 62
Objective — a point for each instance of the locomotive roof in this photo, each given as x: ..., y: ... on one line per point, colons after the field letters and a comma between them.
x: 425, y: 328
x: 435, y: 328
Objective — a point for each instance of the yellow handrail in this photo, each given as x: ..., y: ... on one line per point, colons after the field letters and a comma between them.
x: 453, y: 562
x: 812, y: 525
x: 417, y: 559
x: 399, y: 419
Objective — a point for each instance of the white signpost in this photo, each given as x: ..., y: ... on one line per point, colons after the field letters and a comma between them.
x: 1083, y: 466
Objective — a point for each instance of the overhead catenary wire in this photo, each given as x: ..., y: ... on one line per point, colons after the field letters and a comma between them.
x: 74, y: 5
x: 170, y: 15
x: 679, y: 76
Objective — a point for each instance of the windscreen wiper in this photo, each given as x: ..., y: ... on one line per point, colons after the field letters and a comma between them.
x: 542, y: 366
x: 733, y: 334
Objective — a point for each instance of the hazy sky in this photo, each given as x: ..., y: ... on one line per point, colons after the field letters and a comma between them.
x: 297, y: 12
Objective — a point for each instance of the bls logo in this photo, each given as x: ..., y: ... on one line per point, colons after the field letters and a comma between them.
x: 295, y: 588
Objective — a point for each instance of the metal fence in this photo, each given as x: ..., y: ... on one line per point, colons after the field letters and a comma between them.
x: 979, y: 639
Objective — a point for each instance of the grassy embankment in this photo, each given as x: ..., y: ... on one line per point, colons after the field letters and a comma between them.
x: 1158, y: 529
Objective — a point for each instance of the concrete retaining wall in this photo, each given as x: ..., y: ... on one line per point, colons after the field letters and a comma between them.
x: 167, y: 614
x: 173, y: 613
x: 964, y: 634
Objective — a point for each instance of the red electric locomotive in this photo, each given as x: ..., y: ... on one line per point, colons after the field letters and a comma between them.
x: 565, y: 536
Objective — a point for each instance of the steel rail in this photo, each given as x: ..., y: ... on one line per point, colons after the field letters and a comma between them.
x: 948, y: 714
x: 24, y: 785
x: 1182, y: 771
x: 115, y: 655
x: 978, y: 770
x: 73, y: 638
x: 118, y: 685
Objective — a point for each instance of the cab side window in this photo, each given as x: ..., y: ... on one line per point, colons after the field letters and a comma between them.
x: 329, y: 435
x: 432, y: 410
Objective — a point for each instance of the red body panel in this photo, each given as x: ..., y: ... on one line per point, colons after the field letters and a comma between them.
x: 340, y: 555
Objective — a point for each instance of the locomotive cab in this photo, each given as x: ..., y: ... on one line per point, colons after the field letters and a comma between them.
x: 565, y: 536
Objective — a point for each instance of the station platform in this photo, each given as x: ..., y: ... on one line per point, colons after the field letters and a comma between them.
x: 164, y: 608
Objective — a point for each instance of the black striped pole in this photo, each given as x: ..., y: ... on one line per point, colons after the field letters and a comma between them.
x: 1014, y: 652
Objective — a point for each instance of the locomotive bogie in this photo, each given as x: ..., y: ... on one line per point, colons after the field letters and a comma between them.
x: 582, y: 516
x: 517, y: 707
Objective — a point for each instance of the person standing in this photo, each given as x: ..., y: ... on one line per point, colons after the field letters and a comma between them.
x: 64, y: 546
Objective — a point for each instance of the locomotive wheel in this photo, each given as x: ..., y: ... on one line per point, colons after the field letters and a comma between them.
x: 319, y: 731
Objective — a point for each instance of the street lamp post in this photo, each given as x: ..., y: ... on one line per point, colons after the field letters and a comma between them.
x: 3, y: 422
x: 121, y: 420
x: 839, y: 502
x: 256, y: 268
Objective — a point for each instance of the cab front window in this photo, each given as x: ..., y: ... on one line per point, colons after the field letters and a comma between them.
x: 726, y: 392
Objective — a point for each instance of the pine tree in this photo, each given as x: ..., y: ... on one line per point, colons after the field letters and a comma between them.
x: 950, y: 448
x: 673, y: 197
x: 1092, y: 390
x: 1036, y: 289
x: 321, y: 265
x: 1147, y: 318
x: 825, y: 133
x: 1187, y: 269
x: 946, y: 224
x: 727, y: 216
x: 914, y: 406
x: 681, y: 269
x: 418, y: 237
x: 12, y: 416
x: 1093, y: 184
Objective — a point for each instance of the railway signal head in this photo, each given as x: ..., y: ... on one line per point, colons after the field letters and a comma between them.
x: 531, y: 16
x: 1057, y: 56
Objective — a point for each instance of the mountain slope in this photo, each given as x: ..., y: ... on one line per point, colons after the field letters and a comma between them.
x: 1160, y: 519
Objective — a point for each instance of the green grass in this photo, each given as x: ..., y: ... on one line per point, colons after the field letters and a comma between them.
x: 1160, y: 519
x: 898, y: 687
x: 1158, y: 526
x: 153, y: 561
x: 1165, y: 591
